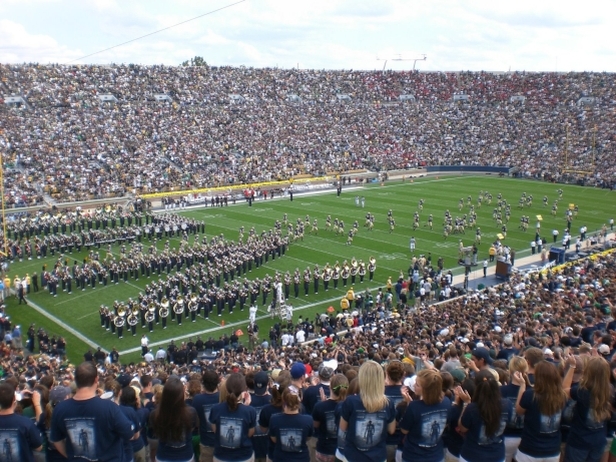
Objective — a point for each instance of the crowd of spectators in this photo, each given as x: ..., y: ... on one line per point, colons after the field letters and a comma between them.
x: 72, y: 146
x: 557, y: 318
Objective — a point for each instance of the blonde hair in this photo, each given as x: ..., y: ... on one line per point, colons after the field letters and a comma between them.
x: 372, y: 386
x: 518, y: 364
x: 157, y: 393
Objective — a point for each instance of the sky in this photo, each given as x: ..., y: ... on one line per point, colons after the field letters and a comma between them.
x: 490, y: 35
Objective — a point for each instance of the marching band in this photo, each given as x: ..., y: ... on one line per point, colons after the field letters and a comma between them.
x: 192, y: 281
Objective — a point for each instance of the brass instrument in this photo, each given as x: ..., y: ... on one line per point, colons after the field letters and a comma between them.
x: 164, y: 302
x: 135, y: 310
x: 178, y: 308
x: 149, y: 316
x: 193, y: 305
x: 163, y: 312
x: 132, y: 320
x: 119, y: 321
x: 151, y: 308
x: 372, y: 261
x: 121, y: 311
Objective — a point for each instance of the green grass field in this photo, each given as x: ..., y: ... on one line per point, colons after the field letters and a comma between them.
x: 78, y: 313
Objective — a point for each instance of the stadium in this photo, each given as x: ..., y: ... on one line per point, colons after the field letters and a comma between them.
x: 165, y: 220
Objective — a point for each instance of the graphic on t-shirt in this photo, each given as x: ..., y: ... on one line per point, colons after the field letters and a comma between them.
x: 568, y: 412
x: 230, y: 432
x: 368, y: 429
x: 81, y: 434
x: 206, y: 412
x: 291, y: 439
x: 591, y: 423
x: 258, y: 431
x: 496, y: 438
x: 549, y: 423
x: 341, y: 439
x: 10, y: 446
x: 330, y: 424
x: 432, y: 427
x: 516, y: 421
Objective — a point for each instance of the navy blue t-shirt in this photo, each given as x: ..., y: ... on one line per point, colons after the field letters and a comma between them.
x: 327, y: 434
x: 291, y: 432
x: 585, y: 432
x: 51, y: 453
x: 567, y: 416
x: 264, y: 422
x: 232, y: 441
x: 144, y: 416
x: 452, y: 438
x: 131, y: 415
x: 425, y: 426
x: 541, y: 435
x: 515, y: 426
x: 93, y: 428
x: 178, y: 450
x: 203, y: 404
x: 312, y: 395
x: 394, y: 393
x: 366, y: 431
x: 19, y: 436
x: 260, y: 440
x: 479, y: 446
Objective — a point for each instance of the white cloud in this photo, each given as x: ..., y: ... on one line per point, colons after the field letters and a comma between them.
x: 474, y: 34
x: 18, y: 45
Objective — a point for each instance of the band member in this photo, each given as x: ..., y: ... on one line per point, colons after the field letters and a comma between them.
x: 345, y: 273
x: 296, y: 281
x: 336, y: 274
x: 354, y: 270
x: 102, y: 313
x: 316, y: 277
x: 371, y: 268
x: 327, y: 276
x: 362, y: 271
x: 307, y: 277
x: 287, y: 285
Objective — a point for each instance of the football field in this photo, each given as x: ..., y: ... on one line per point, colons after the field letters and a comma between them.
x: 76, y: 316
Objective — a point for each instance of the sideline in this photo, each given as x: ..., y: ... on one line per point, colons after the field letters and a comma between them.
x: 65, y: 326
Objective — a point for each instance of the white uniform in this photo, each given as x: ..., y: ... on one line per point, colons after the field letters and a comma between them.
x: 412, y: 244
x: 252, y: 317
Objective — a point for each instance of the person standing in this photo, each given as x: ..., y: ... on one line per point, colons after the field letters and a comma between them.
x: 425, y: 418
x: 203, y: 403
x: 35, y: 285
x: 290, y: 430
x: 144, y: 344
x: 19, y: 435
x: 591, y: 413
x: 233, y: 422
x: 173, y: 422
x: 542, y: 408
x: 365, y: 419
x: 483, y: 421
x: 87, y: 426
x: 259, y: 399
x: 485, y: 268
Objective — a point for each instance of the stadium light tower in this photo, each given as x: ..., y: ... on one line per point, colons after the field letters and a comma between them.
x: 399, y: 57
